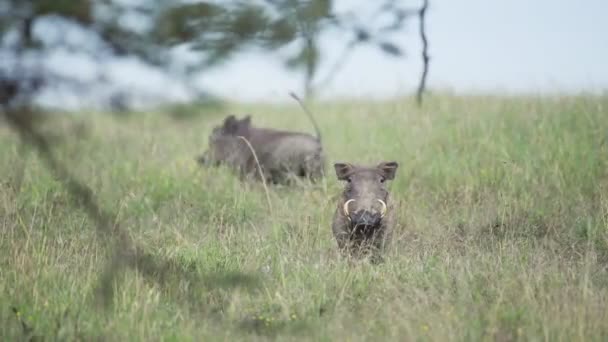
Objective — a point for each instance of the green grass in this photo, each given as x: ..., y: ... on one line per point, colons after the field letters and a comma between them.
x: 502, y: 232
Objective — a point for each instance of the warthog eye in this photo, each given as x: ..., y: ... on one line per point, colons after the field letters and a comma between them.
x: 382, y: 179
x: 348, y: 179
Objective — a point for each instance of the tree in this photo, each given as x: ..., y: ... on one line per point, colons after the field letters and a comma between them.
x: 153, y: 31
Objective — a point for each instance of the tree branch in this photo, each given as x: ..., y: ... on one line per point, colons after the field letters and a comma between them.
x: 425, y: 55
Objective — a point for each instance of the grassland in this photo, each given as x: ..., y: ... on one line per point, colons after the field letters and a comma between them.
x: 502, y: 233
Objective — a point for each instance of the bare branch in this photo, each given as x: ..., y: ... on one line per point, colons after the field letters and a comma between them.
x: 425, y: 55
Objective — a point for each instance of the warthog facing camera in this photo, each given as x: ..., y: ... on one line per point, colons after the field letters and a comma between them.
x: 364, y: 217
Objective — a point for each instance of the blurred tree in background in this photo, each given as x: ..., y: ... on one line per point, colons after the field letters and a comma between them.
x: 180, y: 38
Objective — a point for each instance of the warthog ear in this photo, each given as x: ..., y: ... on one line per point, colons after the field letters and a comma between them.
x: 230, y: 124
x: 229, y: 119
x: 389, y: 169
x: 244, y: 124
x: 246, y: 121
x: 343, y: 170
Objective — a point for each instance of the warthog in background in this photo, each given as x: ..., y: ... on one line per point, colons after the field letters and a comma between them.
x: 283, y: 156
x: 364, y: 217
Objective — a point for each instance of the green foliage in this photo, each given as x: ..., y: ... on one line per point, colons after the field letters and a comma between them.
x: 80, y: 11
x: 215, y: 31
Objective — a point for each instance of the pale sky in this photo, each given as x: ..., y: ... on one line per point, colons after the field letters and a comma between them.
x: 490, y: 46
x: 509, y: 46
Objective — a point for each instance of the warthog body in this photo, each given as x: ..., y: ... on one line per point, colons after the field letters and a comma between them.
x: 282, y: 155
x: 363, y: 220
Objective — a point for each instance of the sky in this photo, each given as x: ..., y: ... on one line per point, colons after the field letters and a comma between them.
x: 476, y: 46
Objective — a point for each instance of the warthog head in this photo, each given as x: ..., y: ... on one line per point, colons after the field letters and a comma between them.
x: 225, y: 147
x: 222, y: 150
x: 365, y: 194
x: 363, y: 213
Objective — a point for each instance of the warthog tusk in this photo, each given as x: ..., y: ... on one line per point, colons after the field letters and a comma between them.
x: 384, y: 209
x: 345, y: 208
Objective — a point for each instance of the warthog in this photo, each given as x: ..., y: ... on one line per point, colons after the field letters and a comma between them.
x: 282, y: 155
x: 363, y: 219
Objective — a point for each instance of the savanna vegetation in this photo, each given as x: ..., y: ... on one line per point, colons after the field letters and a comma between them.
x: 502, y: 230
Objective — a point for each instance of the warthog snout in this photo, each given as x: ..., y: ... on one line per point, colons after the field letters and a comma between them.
x: 363, y: 217
x: 370, y: 216
x: 204, y: 159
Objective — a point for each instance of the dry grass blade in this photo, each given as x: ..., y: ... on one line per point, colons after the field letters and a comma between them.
x: 260, y: 172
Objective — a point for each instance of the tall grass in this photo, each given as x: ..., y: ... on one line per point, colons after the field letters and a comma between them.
x: 502, y: 231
